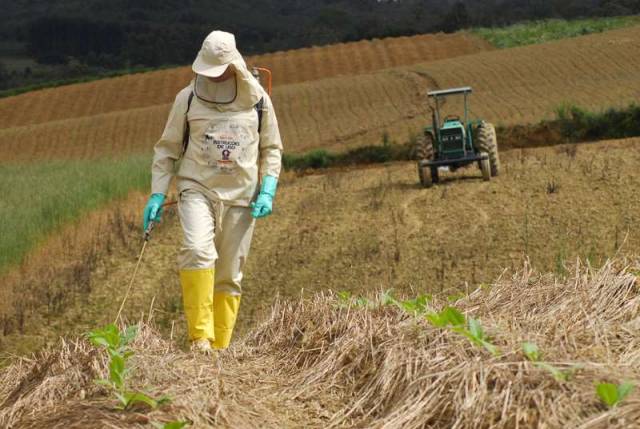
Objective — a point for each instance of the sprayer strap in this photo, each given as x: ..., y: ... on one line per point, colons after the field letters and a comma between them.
x: 258, y: 107
x: 185, y: 136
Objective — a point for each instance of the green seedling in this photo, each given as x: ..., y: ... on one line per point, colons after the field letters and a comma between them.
x: 532, y: 352
x: 362, y: 302
x: 116, y: 344
x: 112, y: 339
x: 477, y: 336
x: 449, y: 317
x: 387, y: 298
x: 559, y: 374
x: 612, y: 394
x: 417, y: 306
x: 455, y: 297
x: 128, y: 398
x: 471, y: 329
x: 344, y: 297
x: 170, y: 425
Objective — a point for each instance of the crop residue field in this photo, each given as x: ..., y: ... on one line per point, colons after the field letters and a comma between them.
x: 370, y: 230
x: 376, y: 228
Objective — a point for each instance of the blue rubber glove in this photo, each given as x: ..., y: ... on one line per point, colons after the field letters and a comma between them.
x: 263, y: 205
x: 153, y: 210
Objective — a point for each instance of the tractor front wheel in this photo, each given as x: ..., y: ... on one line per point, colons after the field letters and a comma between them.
x: 487, y: 141
x: 435, y: 177
x: 425, y: 176
x: 424, y: 152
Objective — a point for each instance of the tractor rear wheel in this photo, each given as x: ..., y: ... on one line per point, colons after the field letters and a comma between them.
x: 485, y: 167
x: 487, y: 141
x: 424, y: 152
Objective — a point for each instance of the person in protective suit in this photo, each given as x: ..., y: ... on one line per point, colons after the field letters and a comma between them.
x: 227, y: 177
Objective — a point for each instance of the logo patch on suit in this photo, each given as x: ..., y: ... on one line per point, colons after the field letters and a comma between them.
x: 224, y: 145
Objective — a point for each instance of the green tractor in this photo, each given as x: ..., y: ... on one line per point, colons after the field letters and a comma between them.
x: 455, y: 143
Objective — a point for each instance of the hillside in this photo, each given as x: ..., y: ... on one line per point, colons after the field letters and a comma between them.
x: 514, y: 86
x: 294, y: 66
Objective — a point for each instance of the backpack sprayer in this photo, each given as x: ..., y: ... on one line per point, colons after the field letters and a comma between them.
x: 257, y: 72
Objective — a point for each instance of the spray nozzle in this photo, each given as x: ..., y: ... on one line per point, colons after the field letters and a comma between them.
x: 147, y: 232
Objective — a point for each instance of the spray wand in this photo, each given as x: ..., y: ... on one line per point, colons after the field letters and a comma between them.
x: 147, y: 237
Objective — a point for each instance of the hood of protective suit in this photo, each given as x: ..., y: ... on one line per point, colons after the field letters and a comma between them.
x: 218, y: 52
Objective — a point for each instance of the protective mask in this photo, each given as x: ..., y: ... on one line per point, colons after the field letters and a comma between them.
x: 216, y: 92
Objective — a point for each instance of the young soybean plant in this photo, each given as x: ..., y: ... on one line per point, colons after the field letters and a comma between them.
x: 532, y: 352
x: 116, y: 344
x: 345, y: 299
x: 453, y: 319
x: 612, y: 394
x: 170, y: 425
x: 416, y: 306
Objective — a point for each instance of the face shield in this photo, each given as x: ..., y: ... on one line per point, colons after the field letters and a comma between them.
x: 224, y: 92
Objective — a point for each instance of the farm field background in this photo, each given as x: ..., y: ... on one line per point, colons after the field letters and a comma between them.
x: 359, y: 230
x: 514, y: 86
x: 300, y: 65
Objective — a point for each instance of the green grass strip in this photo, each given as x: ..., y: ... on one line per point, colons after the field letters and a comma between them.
x: 321, y: 158
x: 39, y: 198
x: 529, y: 33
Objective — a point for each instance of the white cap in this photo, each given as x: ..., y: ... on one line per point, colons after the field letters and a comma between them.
x: 217, y: 52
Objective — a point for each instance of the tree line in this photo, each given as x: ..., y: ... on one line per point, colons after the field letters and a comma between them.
x: 117, y: 34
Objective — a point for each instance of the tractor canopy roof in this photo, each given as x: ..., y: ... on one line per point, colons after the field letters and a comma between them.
x: 453, y: 91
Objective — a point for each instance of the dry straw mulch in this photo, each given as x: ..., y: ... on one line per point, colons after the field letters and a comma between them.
x: 316, y: 363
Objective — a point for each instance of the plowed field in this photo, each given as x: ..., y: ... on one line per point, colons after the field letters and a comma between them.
x: 521, y: 85
x: 160, y: 87
x: 321, y: 62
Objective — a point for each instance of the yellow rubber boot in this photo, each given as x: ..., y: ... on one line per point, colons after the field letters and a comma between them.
x: 197, y: 296
x: 225, y: 310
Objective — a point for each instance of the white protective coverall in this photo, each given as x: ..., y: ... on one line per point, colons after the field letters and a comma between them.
x: 217, y: 179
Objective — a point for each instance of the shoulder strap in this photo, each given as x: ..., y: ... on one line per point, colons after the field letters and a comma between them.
x: 258, y: 108
x: 185, y: 136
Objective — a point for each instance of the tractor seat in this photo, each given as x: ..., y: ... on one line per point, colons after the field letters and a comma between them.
x: 452, y: 118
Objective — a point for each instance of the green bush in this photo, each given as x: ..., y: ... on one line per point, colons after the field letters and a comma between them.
x: 367, y: 155
x: 38, y: 198
x: 578, y: 124
x: 318, y: 158
x: 534, y: 32
x: 374, y: 154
